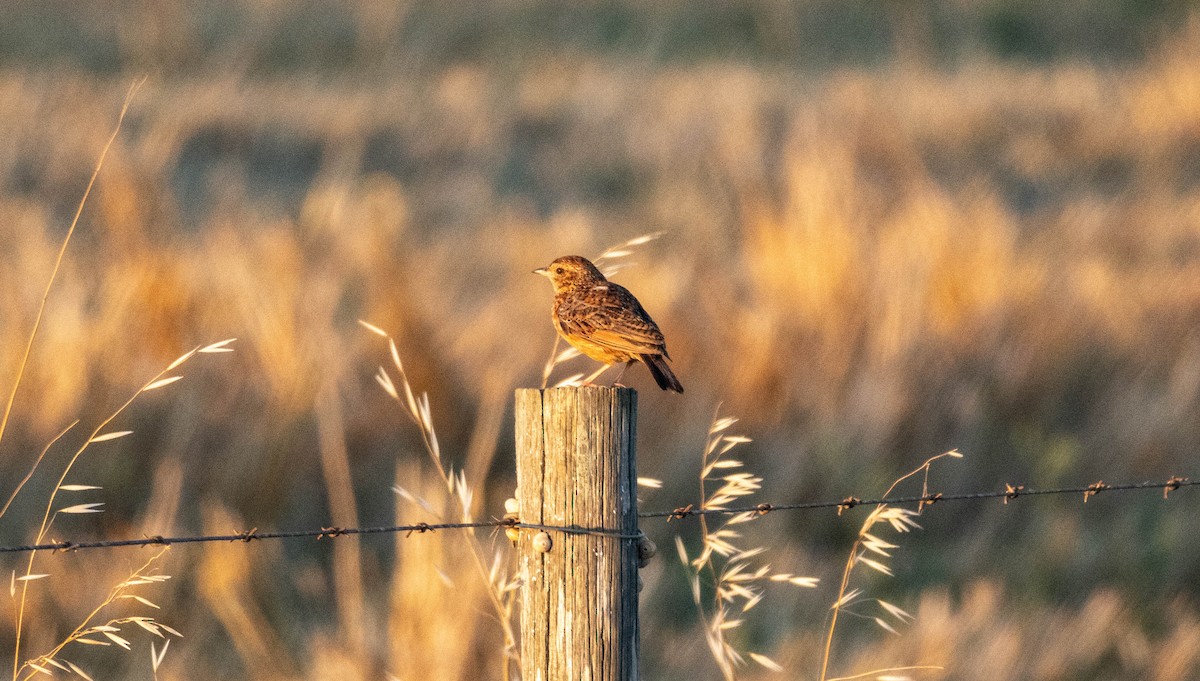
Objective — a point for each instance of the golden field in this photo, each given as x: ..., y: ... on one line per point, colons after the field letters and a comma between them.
x: 868, y: 261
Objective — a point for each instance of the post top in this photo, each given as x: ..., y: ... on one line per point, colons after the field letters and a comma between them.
x: 617, y: 390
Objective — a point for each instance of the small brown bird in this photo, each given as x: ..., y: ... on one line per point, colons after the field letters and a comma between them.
x: 605, y: 322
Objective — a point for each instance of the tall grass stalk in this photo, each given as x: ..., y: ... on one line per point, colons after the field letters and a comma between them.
x: 499, y: 586
x: 37, y: 320
x: 865, y: 542
x: 737, y: 584
x: 98, y: 435
x: 108, y: 633
x: 108, y: 630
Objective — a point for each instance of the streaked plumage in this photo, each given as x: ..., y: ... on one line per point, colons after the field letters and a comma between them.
x: 604, y: 321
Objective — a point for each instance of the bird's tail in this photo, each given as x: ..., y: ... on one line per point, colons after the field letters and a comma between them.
x: 662, y: 373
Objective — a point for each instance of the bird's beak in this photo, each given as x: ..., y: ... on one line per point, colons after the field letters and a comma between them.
x: 542, y: 271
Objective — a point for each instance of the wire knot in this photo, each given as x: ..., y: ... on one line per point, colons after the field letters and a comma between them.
x: 680, y: 513
x: 848, y: 503
x: 331, y: 532
x: 1094, y: 489
x: 1173, y: 484
x: 1012, y: 492
x: 247, y: 535
x: 763, y: 509
x: 419, y: 528
x: 929, y: 500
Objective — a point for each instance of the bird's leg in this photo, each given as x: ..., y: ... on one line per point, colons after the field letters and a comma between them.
x: 589, y: 379
x: 617, y: 380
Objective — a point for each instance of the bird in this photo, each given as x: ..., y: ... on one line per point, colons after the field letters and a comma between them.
x: 605, y: 322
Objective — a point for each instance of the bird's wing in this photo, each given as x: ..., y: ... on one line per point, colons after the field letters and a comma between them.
x: 609, y: 316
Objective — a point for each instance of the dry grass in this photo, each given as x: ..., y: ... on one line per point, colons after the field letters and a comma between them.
x: 723, y: 568
x: 867, y: 264
x: 873, y: 551
x: 87, y: 632
x: 457, y: 502
x: 25, y: 668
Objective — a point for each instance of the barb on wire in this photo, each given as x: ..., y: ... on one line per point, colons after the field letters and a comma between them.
x: 247, y: 536
x: 1009, y: 493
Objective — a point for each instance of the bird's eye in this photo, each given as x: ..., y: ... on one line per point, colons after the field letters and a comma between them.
x: 558, y: 270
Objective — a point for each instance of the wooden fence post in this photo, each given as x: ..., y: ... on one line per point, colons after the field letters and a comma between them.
x: 575, y: 468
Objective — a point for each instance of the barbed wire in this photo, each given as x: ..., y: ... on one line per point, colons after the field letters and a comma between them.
x: 1010, y: 493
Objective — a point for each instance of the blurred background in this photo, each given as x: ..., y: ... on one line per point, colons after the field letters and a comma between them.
x: 890, y: 228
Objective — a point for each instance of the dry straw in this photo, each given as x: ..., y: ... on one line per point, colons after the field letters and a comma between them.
x: 99, y: 435
x: 500, y: 586
x: 736, y: 580
x: 87, y: 632
x: 37, y: 320
x: 872, y: 551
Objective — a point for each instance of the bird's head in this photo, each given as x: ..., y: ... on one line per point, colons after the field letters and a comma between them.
x: 570, y: 271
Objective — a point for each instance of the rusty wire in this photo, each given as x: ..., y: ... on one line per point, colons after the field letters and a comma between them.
x: 1009, y: 493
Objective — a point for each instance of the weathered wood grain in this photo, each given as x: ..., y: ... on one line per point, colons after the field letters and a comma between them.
x: 576, y: 468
